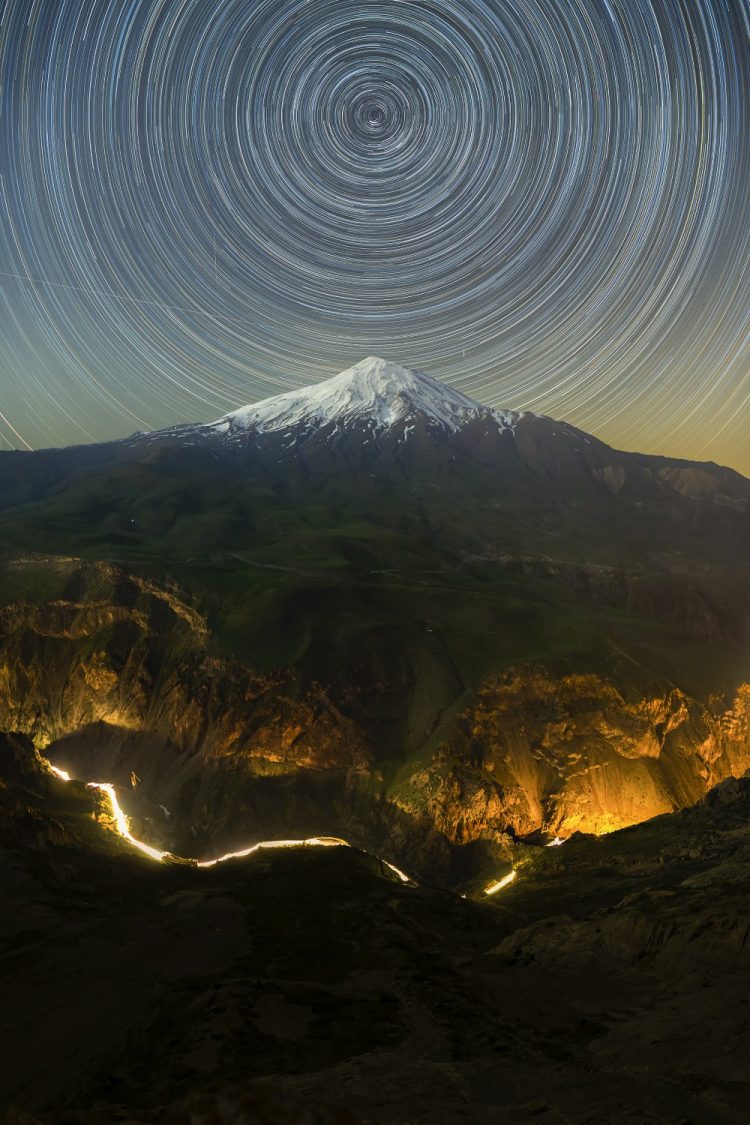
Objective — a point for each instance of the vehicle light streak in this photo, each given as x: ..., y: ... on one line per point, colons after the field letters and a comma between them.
x: 122, y: 825
x: 311, y: 842
x: 493, y: 888
x: 396, y: 870
x: 121, y: 820
x: 62, y: 774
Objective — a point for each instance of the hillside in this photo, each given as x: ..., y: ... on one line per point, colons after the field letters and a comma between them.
x: 377, y: 607
x: 309, y: 986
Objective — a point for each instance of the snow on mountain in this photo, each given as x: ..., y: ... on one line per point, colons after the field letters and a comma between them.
x: 375, y: 393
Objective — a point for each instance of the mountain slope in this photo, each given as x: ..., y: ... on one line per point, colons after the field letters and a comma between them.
x: 379, y: 604
x: 376, y: 393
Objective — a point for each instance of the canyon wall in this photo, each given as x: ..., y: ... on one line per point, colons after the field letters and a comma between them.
x: 122, y: 676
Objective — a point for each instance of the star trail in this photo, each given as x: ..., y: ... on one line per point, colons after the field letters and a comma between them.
x: 546, y: 205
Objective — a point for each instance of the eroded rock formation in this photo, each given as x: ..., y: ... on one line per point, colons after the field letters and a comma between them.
x: 121, y: 675
x: 575, y: 753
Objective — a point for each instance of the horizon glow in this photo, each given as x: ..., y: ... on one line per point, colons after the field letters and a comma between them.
x: 545, y: 206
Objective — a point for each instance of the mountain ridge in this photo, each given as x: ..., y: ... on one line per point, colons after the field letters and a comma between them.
x: 378, y: 399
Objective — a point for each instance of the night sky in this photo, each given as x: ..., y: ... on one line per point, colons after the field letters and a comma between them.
x: 545, y: 203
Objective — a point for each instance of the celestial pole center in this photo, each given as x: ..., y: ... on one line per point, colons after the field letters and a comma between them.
x: 544, y: 204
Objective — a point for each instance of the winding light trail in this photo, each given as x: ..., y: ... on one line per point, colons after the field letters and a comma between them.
x: 122, y: 825
x: 311, y: 842
x: 493, y: 888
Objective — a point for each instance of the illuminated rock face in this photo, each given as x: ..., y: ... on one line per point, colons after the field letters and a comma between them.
x: 143, y: 665
x: 573, y: 754
x: 373, y: 608
x: 125, y: 679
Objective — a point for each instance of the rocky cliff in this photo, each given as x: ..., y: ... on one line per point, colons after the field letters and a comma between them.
x: 118, y: 675
x: 577, y: 753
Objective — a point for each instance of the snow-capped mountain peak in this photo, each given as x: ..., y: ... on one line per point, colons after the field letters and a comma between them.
x: 375, y: 393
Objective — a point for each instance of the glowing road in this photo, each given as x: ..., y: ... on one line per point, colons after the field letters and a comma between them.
x: 122, y: 826
x: 506, y: 880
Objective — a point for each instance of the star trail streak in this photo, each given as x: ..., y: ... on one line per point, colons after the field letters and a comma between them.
x: 546, y: 204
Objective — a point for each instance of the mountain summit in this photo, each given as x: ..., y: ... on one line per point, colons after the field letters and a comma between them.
x: 375, y: 394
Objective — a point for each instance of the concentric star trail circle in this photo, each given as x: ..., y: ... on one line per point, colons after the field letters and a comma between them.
x: 546, y: 204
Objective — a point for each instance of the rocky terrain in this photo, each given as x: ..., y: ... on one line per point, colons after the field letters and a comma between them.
x: 119, y: 675
x: 608, y: 982
x: 375, y: 608
x: 378, y: 611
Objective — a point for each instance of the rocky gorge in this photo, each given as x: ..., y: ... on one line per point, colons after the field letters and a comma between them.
x: 607, y: 982
x: 119, y: 676
x: 378, y: 614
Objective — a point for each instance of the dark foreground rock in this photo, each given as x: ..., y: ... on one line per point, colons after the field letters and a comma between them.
x: 608, y: 983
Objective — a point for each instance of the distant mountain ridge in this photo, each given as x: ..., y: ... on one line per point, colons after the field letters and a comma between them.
x: 378, y: 405
x: 506, y: 480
